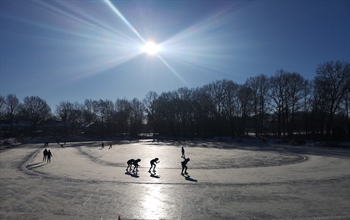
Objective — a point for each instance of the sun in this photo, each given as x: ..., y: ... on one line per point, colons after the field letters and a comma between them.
x: 151, y: 48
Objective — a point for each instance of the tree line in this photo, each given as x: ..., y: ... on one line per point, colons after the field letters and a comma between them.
x: 284, y: 104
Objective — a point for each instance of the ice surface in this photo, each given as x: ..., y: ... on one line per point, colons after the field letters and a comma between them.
x: 228, y: 181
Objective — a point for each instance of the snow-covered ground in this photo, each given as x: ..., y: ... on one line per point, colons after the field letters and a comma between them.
x: 227, y: 181
x: 8, y: 143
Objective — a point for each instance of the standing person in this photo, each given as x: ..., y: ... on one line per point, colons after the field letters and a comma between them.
x: 184, y: 166
x: 130, y: 163
x: 183, y: 152
x: 136, y: 165
x: 45, y: 155
x: 49, y: 155
x: 110, y: 146
x: 153, y: 164
x: 102, y: 145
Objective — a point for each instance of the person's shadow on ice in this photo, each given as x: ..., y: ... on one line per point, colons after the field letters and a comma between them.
x: 190, y: 179
x: 35, y: 165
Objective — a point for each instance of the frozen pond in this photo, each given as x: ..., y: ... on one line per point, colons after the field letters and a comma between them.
x: 227, y: 181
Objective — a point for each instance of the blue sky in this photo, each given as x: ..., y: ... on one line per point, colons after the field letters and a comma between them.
x: 75, y: 50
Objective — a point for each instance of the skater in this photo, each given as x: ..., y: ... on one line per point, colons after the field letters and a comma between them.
x: 110, y: 146
x: 130, y: 163
x: 102, y: 145
x: 184, y: 166
x: 136, y: 165
x: 153, y: 164
x: 49, y: 155
x: 183, y: 152
x: 45, y: 155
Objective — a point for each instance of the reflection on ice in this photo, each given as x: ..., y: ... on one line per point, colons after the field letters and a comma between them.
x: 152, y: 202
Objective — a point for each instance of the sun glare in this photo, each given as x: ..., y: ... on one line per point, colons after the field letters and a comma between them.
x: 151, y: 48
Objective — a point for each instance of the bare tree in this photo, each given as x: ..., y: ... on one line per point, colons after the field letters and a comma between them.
x: 136, y: 116
x: 2, y: 107
x: 203, y: 110
x: 231, y: 105
x: 89, y: 111
x: 286, y: 93
x: 217, y: 93
x: 36, y: 111
x: 149, y: 103
x: 71, y: 115
x: 12, y: 106
x: 295, y: 90
x: 166, y: 113
x: 332, y: 83
x: 2, y: 110
x: 278, y: 94
x: 105, y: 116
x: 184, y: 111
x: 260, y: 86
x: 245, y: 97
x: 122, y: 115
x: 346, y: 110
x: 307, y: 91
